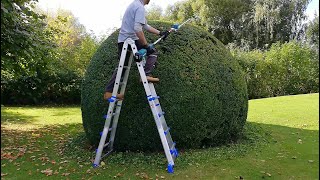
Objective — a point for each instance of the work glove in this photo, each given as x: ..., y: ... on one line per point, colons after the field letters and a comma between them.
x: 164, y: 34
x: 150, y: 49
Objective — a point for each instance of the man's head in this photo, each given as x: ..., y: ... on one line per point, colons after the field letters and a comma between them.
x: 146, y: 2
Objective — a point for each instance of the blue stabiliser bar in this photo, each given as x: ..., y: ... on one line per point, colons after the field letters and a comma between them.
x: 152, y: 98
x: 167, y: 131
x: 105, y: 116
x: 174, y: 152
x: 112, y: 99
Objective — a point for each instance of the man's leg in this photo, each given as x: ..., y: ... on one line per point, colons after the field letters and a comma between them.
x: 150, y: 63
x: 110, y: 85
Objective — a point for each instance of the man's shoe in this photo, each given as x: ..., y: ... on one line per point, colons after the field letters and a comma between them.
x: 152, y: 79
x: 107, y: 95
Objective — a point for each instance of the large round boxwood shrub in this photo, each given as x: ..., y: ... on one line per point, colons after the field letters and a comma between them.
x: 202, y: 92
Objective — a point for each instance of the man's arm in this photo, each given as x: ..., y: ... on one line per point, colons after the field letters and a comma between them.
x: 151, y: 29
x: 140, y: 34
x: 142, y: 38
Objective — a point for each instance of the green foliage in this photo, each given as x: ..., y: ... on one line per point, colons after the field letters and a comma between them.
x: 154, y: 12
x: 202, y: 89
x: 285, y: 69
x: 55, y: 78
x: 313, y: 33
x: 75, y: 45
x: 253, y: 23
x: 281, y: 140
x: 252, y: 63
x: 292, y: 69
x: 43, y: 88
x: 25, y: 43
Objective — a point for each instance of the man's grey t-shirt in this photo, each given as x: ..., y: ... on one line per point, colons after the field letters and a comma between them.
x: 135, y: 13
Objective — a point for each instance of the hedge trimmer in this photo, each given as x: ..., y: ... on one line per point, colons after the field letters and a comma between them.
x: 141, y: 54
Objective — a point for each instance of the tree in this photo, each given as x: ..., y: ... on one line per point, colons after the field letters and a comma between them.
x: 75, y: 46
x: 312, y: 33
x: 211, y: 89
x: 47, y: 60
x: 154, y: 12
x: 25, y: 42
x: 278, y: 20
x: 252, y: 23
x: 179, y: 11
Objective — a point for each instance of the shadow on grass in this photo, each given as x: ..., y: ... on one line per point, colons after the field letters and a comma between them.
x: 16, y: 118
x: 62, y: 113
x: 61, y: 138
x: 17, y: 115
x: 69, y: 141
x: 67, y: 146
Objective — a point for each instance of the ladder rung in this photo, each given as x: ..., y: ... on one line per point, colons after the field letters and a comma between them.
x: 106, y: 116
x: 173, y: 150
x: 107, y: 153
x: 102, y: 131
x: 122, y: 83
x: 105, y: 145
x: 160, y: 114
x: 167, y: 131
x: 125, y: 67
x: 173, y: 146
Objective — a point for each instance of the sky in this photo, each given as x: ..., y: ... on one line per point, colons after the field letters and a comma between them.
x: 102, y: 16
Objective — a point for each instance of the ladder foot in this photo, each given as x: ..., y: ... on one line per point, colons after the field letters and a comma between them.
x: 170, y: 168
x: 95, y: 165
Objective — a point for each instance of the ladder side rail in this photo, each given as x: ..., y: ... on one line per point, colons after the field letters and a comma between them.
x: 162, y: 119
x: 120, y: 67
x: 111, y: 106
x: 119, y: 104
x: 158, y: 106
x: 154, y: 111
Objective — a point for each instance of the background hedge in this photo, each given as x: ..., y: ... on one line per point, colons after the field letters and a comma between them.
x: 61, y: 87
x: 202, y: 89
x: 286, y: 69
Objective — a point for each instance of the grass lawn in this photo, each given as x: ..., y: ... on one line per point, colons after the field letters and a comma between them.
x: 280, y: 141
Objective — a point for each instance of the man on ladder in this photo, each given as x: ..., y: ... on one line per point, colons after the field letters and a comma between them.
x: 133, y: 22
x: 132, y: 38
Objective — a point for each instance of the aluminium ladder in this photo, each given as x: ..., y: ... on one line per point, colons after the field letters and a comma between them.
x: 111, y: 119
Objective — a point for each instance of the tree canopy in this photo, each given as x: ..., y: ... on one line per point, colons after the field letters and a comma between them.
x: 250, y: 23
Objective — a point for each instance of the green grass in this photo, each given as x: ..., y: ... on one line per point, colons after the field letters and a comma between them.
x: 280, y: 141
